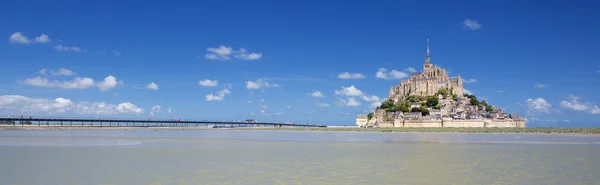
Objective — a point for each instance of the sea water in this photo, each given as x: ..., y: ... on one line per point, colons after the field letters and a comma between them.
x: 145, y: 156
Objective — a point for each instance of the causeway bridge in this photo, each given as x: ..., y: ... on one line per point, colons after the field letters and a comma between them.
x: 102, y: 122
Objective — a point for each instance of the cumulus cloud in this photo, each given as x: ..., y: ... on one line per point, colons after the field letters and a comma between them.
x: 19, y: 38
x: 466, y: 91
x: 227, y: 53
x: 349, y: 91
x: 351, y: 102
x: 372, y: 98
x: 68, y: 48
x: 155, y: 109
x: 77, y: 83
x: 116, y: 53
x: 19, y: 104
x: 383, y: 73
x: 152, y: 86
x: 42, y: 39
x: 538, y: 105
x: 259, y: 84
x: 321, y: 104
x: 317, y: 94
x: 347, y: 75
x: 538, y: 85
x: 470, y: 80
x: 471, y: 24
x: 573, y: 104
x: 108, y: 83
x: 63, y: 72
x: 219, y: 96
x: 410, y: 70
x: 267, y: 113
x: 208, y: 83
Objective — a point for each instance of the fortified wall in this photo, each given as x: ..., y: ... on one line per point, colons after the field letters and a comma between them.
x: 453, y: 123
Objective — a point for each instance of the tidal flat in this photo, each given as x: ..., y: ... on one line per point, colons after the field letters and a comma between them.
x: 205, y: 156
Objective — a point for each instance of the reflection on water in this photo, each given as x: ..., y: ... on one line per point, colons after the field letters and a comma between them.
x: 285, y: 157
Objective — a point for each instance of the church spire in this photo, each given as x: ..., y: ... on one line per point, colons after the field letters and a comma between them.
x: 427, y: 59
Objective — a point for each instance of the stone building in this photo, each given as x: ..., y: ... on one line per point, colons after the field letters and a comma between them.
x: 427, y: 82
x: 361, y: 120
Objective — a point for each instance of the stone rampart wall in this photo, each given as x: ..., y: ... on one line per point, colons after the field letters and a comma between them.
x: 464, y: 123
x: 453, y: 123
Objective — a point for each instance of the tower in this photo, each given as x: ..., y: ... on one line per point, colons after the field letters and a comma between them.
x: 427, y: 63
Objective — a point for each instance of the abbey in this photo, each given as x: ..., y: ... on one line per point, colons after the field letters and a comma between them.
x: 427, y: 82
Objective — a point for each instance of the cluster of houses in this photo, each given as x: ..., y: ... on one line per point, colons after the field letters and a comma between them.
x: 449, y: 109
x: 456, y: 110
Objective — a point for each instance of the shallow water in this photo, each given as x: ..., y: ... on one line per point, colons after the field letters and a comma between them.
x: 142, y: 156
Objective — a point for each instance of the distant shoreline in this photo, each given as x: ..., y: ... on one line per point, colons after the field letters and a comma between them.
x: 332, y: 129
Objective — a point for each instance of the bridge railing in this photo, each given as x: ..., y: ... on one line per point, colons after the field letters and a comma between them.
x: 140, y: 119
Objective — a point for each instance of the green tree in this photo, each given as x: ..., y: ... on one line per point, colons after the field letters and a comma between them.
x: 432, y: 101
x: 488, y: 108
x: 424, y: 112
x: 442, y: 92
x: 387, y: 104
x: 454, y: 97
x: 483, y: 102
x: 416, y: 109
x: 438, y: 106
x: 369, y: 116
x: 474, y: 101
x: 405, y: 108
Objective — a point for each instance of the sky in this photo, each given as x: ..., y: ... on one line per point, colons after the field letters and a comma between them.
x: 299, y: 61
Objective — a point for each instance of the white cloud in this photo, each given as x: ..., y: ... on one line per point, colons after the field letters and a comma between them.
x: 500, y: 91
x: 77, y: 83
x: 68, y: 48
x: 227, y: 53
x: 63, y: 72
x: 155, y: 109
x: 574, y: 104
x: 470, y: 80
x: 43, y: 38
x: 349, y: 91
x: 471, y: 24
x: 108, y: 83
x: 538, y: 105
x: 219, y: 96
x: 259, y: 84
x: 18, y: 38
x: 372, y: 98
x: 351, y: 102
x: 117, y: 53
x: 208, y: 83
x: 43, y: 72
x: 375, y: 104
x: 152, y: 86
x: 383, y: 73
x: 347, y: 75
x: 595, y: 110
x: 266, y: 113
x: 410, y: 70
x: 323, y: 104
x: 466, y: 91
x: 538, y: 85
x: 22, y: 104
x: 317, y: 94
x: 170, y: 110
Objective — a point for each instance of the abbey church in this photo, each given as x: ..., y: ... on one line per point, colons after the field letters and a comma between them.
x: 427, y: 82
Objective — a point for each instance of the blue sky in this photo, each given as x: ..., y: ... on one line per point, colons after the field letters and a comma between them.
x: 538, y: 60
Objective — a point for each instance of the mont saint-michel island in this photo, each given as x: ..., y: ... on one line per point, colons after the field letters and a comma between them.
x: 430, y: 98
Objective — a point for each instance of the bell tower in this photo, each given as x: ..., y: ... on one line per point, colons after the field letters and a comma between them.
x: 427, y: 65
